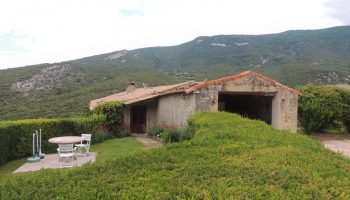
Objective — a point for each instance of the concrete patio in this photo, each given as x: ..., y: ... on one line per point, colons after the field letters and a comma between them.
x: 342, y: 146
x: 51, y: 162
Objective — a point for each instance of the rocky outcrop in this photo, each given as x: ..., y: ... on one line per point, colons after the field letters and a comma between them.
x: 116, y: 55
x: 48, y: 78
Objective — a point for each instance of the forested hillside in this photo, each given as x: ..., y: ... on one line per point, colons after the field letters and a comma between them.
x: 64, y: 89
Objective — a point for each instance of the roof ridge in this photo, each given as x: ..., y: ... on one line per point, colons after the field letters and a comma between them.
x: 237, y: 76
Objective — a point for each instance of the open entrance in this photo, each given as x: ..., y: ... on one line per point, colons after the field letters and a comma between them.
x: 138, y: 119
x: 251, y: 105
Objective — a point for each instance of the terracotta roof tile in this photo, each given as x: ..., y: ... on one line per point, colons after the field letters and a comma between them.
x: 141, y: 94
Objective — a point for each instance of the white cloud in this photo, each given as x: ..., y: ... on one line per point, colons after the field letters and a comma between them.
x: 340, y: 9
x: 58, y: 30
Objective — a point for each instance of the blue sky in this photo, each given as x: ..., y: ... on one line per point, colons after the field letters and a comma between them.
x: 9, y: 43
x: 41, y: 31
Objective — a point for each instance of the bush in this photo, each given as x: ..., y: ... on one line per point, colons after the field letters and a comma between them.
x: 345, y: 112
x: 155, y: 131
x: 176, y: 135
x: 319, y: 107
x: 229, y: 157
x: 322, y: 107
x: 114, y: 114
x: 16, y: 136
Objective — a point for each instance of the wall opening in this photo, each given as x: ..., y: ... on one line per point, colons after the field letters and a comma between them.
x: 138, y: 119
x: 251, y: 105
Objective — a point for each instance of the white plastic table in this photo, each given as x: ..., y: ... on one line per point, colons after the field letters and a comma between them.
x: 66, y: 140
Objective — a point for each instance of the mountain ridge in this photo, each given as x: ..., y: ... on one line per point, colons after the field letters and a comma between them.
x: 294, y: 57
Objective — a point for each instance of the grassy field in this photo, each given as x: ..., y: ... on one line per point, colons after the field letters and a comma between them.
x: 8, y: 168
x: 109, y: 149
x: 116, y: 148
x: 229, y: 158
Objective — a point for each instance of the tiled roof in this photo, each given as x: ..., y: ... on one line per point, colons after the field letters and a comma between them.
x: 141, y: 94
x: 238, y: 76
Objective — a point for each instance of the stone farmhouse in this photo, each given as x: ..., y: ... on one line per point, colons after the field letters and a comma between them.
x: 250, y: 94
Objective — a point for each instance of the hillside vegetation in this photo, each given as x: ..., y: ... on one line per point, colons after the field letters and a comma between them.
x: 64, y: 89
x: 229, y: 158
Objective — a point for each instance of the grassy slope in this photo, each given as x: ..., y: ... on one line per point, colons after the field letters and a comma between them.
x: 8, y: 168
x: 116, y: 148
x: 229, y: 158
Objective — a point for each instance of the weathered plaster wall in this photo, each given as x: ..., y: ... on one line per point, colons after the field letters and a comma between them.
x: 174, y: 110
x: 207, y: 99
x: 285, y: 110
x: 248, y: 84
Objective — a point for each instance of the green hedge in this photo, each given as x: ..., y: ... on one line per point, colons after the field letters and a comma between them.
x: 16, y: 136
x: 229, y: 157
x: 318, y: 107
x: 321, y: 106
x: 345, y: 112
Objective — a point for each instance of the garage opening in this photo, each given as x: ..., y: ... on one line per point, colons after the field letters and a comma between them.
x: 251, y: 105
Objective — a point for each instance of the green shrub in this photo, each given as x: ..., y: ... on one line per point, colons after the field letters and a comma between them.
x: 319, y: 107
x: 176, y: 135
x: 322, y: 107
x: 114, y: 114
x: 345, y: 112
x: 229, y: 157
x: 155, y: 131
x: 16, y: 136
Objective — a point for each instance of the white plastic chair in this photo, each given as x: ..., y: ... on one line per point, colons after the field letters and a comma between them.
x: 85, y: 144
x: 66, y: 152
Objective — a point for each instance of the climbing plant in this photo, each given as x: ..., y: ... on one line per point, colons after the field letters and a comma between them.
x: 114, y: 114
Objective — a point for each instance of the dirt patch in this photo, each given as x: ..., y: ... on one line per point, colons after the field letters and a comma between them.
x: 334, y: 142
x: 328, y: 136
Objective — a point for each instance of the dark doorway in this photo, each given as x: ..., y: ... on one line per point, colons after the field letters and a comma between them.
x: 253, y: 106
x: 138, y: 119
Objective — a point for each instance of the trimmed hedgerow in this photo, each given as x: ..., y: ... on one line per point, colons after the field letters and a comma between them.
x: 16, y: 136
x: 229, y: 157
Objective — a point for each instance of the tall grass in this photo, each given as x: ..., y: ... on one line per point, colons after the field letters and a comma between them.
x: 229, y: 158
